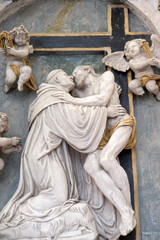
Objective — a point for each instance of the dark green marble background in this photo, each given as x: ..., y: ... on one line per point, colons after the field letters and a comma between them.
x: 81, y: 16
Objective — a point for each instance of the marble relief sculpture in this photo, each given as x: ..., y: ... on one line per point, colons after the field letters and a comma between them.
x: 59, y: 196
x: 140, y: 58
x: 15, y: 45
x: 7, y: 145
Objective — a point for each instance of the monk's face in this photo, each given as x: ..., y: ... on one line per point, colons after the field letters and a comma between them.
x: 65, y: 81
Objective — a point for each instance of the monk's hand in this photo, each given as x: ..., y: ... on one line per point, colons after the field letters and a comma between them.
x: 115, y: 110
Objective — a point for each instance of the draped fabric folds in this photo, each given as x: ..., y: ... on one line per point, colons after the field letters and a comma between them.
x: 60, y: 137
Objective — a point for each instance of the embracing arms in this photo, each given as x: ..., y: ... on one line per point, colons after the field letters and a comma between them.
x: 105, y: 88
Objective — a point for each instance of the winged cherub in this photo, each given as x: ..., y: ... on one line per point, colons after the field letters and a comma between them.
x: 140, y: 58
x: 15, y: 45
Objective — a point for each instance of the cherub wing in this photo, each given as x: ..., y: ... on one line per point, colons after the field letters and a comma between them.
x: 155, y: 48
x: 117, y: 61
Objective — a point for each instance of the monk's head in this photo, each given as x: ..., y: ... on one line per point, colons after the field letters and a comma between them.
x: 60, y: 78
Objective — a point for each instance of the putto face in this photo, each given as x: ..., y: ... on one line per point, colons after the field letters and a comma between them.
x: 20, y: 39
x: 133, y: 49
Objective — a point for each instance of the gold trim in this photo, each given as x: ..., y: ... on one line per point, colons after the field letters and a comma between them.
x: 127, y: 25
x: 110, y: 20
x: 107, y: 49
x: 109, y: 68
x: 134, y: 167
x: 69, y: 34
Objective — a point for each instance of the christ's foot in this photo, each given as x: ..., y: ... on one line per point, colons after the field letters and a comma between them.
x: 128, y: 222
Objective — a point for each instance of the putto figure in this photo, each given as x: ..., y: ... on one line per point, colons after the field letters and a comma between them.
x: 15, y: 45
x: 7, y: 145
x: 140, y: 58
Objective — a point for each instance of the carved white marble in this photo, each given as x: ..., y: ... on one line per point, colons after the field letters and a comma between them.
x: 140, y: 58
x: 17, y: 66
x: 7, y: 145
x: 58, y: 196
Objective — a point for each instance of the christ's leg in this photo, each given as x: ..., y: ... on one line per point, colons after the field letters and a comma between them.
x: 107, y: 186
x: 108, y: 159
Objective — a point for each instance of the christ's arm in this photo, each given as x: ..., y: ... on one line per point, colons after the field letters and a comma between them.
x: 106, y: 89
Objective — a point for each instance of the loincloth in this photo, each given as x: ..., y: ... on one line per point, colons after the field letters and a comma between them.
x: 131, y: 121
x: 150, y: 77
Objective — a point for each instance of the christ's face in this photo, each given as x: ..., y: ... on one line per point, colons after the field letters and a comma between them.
x: 79, y: 78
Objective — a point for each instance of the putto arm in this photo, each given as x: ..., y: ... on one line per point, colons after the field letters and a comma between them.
x: 11, y: 149
x: 14, y: 141
x: 5, y: 141
x: 18, y: 52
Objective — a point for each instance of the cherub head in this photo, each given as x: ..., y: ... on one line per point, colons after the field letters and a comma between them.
x: 132, y: 48
x: 80, y: 74
x: 60, y: 78
x: 4, y: 122
x: 20, y: 35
